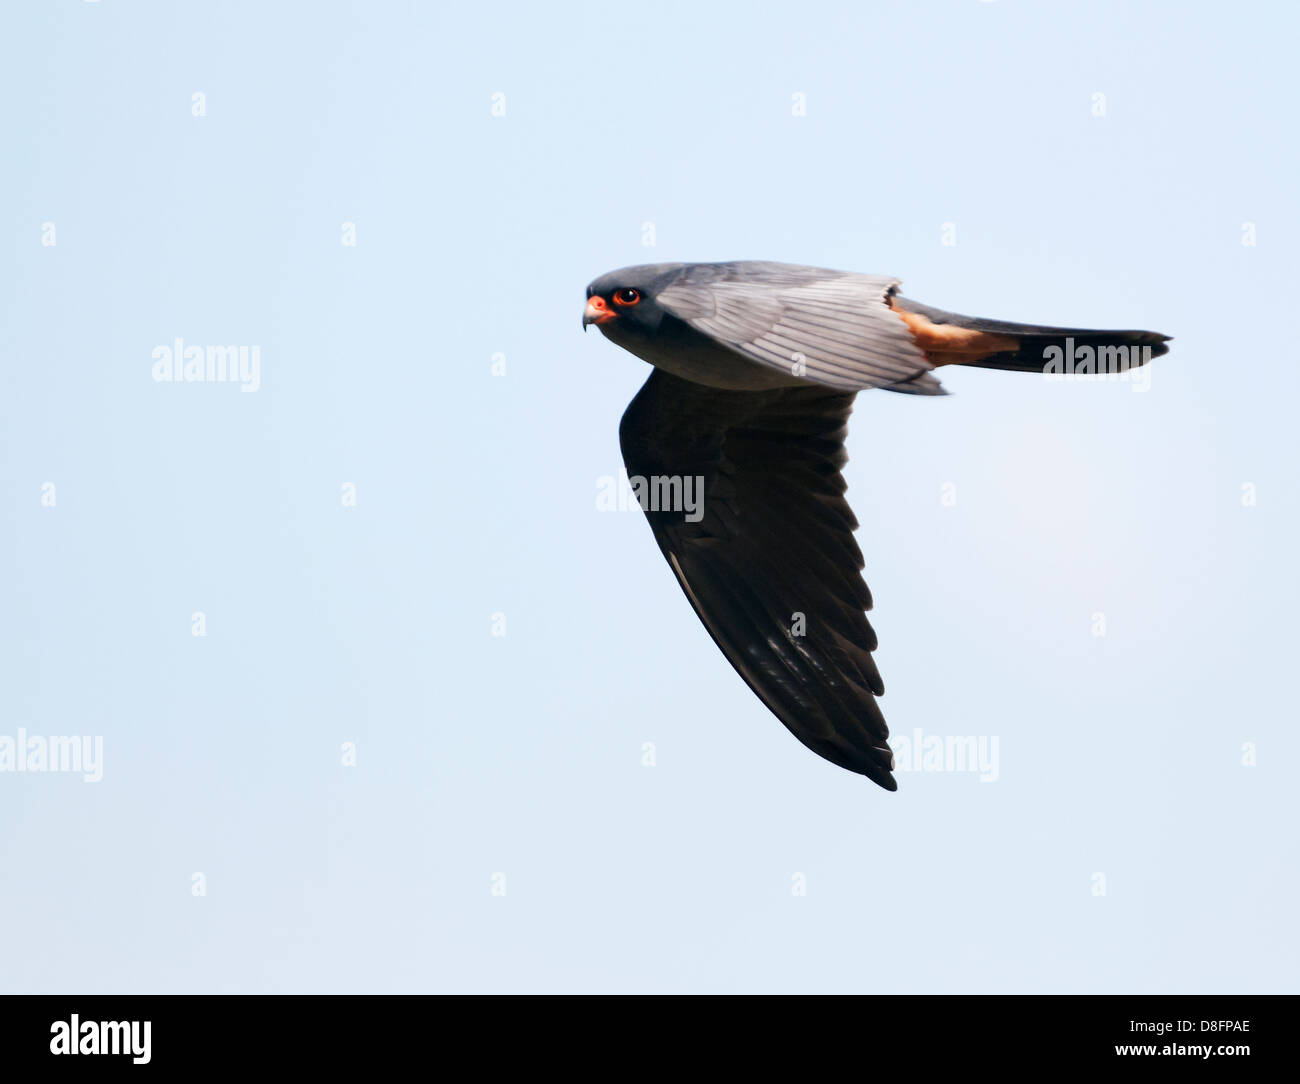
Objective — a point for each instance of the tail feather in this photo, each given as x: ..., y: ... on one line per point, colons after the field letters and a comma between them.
x: 1001, y: 344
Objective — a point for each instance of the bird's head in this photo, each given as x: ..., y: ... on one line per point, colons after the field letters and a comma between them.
x: 622, y: 303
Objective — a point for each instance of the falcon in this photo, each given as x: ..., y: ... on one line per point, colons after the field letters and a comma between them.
x: 756, y: 366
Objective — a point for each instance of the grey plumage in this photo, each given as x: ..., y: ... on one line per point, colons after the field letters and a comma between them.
x: 833, y: 328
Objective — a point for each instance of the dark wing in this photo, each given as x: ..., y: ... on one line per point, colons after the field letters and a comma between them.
x: 774, y: 542
x: 829, y: 327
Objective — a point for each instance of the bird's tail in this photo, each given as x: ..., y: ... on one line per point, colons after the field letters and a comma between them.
x: 950, y: 339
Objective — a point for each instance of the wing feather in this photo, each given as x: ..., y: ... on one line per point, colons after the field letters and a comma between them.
x: 775, y: 540
x: 837, y: 327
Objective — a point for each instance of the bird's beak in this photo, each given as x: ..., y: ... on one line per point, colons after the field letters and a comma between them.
x: 596, y: 312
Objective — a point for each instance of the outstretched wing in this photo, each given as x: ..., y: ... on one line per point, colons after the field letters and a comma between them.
x: 830, y: 327
x: 770, y: 565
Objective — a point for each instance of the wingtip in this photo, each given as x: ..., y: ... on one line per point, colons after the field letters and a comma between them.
x: 882, y: 773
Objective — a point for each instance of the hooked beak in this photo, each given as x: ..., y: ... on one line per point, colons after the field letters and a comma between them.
x: 596, y: 312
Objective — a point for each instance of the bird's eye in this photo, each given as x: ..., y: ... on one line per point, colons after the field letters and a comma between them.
x: 626, y: 296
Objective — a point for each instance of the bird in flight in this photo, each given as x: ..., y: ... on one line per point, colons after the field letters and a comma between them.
x: 756, y: 366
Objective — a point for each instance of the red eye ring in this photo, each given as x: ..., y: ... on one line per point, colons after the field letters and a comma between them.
x: 626, y: 297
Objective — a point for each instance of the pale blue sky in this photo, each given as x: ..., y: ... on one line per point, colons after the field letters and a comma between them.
x: 476, y: 235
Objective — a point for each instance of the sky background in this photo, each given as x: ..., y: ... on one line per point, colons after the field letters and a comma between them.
x: 521, y: 754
